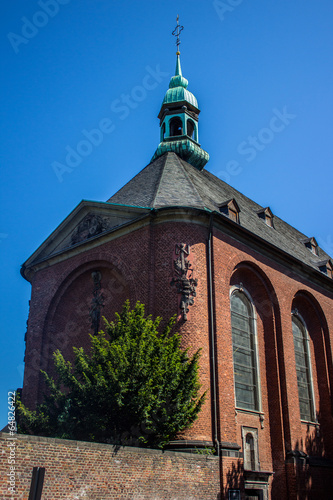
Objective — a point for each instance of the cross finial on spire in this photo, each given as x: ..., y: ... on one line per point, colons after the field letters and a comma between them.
x: 176, y: 33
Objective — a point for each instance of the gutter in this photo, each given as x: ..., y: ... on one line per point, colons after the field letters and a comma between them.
x: 212, y: 336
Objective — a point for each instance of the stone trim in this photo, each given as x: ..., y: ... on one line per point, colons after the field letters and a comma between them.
x: 189, y: 446
x: 124, y: 449
x: 229, y: 449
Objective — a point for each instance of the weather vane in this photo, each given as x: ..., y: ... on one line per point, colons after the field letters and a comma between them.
x: 176, y: 33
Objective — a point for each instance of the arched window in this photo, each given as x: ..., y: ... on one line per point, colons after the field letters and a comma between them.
x: 190, y: 128
x: 303, y: 369
x: 244, y: 352
x: 250, y: 448
x: 176, y: 126
x: 249, y: 452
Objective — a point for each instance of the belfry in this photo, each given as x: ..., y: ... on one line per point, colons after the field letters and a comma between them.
x: 179, y: 118
x: 248, y: 289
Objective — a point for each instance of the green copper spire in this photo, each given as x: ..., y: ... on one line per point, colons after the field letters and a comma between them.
x: 178, y: 80
x: 178, y: 66
x: 179, y: 118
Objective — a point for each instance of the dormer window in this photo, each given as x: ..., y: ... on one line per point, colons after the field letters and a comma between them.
x: 231, y: 209
x: 311, y: 244
x: 326, y: 267
x: 266, y: 215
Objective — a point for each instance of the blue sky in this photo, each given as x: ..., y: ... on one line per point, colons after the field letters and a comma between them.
x: 69, y: 65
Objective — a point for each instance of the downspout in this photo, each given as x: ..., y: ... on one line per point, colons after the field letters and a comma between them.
x: 212, y: 335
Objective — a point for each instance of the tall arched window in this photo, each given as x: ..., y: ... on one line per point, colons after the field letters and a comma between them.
x: 244, y: 352
x: 303, y: 369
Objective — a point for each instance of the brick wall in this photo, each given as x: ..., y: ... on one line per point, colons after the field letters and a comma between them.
x: 275, y: 292
x: 92, y: 471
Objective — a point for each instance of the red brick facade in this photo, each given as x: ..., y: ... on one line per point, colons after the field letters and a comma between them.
x: 138, y: 264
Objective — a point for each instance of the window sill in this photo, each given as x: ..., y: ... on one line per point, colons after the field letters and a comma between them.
x: 310, y: 422
x: 253, y: 412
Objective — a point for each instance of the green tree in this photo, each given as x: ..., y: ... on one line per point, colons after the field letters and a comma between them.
x: 136, y: 386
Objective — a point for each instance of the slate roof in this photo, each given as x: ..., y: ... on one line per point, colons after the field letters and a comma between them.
x: 170, y: 181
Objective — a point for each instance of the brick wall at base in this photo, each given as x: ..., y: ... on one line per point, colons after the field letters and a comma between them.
x: 93, y: 471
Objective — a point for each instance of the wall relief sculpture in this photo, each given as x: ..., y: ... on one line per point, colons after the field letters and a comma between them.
x: 97, y: 302
x: 183, y: 279
x: 91, y: 225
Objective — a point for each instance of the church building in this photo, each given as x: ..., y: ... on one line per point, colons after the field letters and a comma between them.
x: 253, y: 293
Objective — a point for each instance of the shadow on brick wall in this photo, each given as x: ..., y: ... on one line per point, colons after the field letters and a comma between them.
x: 234, y: 478
x: 313, y: 469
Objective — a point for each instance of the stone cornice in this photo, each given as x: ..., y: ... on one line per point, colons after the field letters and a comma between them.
x: 175, y: 215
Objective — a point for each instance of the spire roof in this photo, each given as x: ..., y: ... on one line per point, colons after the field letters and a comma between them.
x: 164, y: 182
x: 178, y: 84
x: 178, y: 80
x: 169, y: 181
x: 177, y: 91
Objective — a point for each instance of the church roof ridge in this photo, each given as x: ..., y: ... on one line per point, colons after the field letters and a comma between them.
x: 159, y: 181
x: 175, y: 186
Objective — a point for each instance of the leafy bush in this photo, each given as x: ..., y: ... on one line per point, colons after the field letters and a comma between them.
x: 136, y: 386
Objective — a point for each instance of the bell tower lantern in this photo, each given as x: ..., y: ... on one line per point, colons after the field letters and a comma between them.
x: 179, y: 118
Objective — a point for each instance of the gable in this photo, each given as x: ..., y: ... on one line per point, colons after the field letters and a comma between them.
x: 89, y: 220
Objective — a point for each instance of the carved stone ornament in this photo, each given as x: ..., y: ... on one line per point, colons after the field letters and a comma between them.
x: 97, y: 302
x: 183, y: 279
x: 90, y: 226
